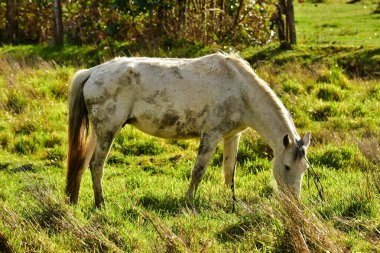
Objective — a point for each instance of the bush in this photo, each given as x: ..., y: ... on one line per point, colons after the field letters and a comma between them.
x: 336, y: 157
x: 25, y: 145
x: 137, y: 148
x: 293, y: 87
x: 359, y: 206
x: 16, y: 102
x: 329, y: 93
x: 324, y: 111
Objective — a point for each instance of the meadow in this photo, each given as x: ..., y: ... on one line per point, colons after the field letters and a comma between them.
x: 331, y: 89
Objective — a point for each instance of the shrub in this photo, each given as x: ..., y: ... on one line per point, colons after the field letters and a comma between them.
x: 116, y: 158
x: 25, y: 127
x: 149, y: 147
x: 293, y: 87
x: 5, y: 139
x: 256, y: 165
x: 336, y: 157
x: 323, y: 111
x: 16, y: 102
x: 374, y: 92
x: 25, y: 145
x: 329, y: 93
x: 56, y: 154
x: 60, y: 90
x: 334, y: 75
x: 359, y: 206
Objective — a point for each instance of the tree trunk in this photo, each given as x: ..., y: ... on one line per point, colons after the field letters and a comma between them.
x: 221, y: 11
x: 182, y: 12
x: 290, y: 25
x: 237, y: 15
x: 58, y: 24
x: 11, y: 26
x: 377, y: 11
x: 280, y: 21
x: 160, y: 19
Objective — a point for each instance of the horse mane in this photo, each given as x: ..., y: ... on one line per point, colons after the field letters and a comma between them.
x: 272, y: 98
x: 300, y: 150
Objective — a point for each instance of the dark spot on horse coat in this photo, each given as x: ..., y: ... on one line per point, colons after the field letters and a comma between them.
x: 199, y: 171
x: 169, y: 119
x: 111, y: 109
x: 176, y: 72
x: 245, y: 98
x: 152, y: 98
x: 128, y: 76
x: 125, y: 79
x: 109, y: 136
x: 117, y: 92
x: 194, y: 120
x: 158, y: 94
x: 204, y: 145
x: 99, y: 82
x: 135, y: 76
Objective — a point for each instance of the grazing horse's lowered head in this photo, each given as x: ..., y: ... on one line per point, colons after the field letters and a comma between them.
x: 212, y: 97
x: 290, y: 163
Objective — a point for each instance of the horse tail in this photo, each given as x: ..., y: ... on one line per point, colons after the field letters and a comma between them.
x: 78, y: 125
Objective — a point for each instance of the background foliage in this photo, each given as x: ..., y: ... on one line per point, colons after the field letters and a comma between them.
x: 146, y: 22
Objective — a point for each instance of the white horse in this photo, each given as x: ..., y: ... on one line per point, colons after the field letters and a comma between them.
x: 211, y: 97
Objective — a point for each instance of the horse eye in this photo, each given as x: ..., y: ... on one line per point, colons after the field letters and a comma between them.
x: 287, y: 167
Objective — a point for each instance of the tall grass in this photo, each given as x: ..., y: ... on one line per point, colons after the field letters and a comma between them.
x: 145, y: 177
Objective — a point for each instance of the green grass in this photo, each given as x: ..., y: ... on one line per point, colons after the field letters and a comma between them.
x: 336, y: 22
x: 146, y: 178
x: 331, y: 90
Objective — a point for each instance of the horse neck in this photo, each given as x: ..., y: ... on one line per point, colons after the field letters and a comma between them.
x: 270, y: 118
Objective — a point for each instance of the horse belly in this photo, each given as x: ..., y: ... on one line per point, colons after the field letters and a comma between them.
x: 168, y: 122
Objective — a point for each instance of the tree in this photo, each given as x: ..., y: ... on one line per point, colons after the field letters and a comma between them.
x: 11, y: 24
x: 290, y: 24
x: 287, y: 29
x: 58, y: 24
x: 182, y: 12
x: 377, y: 11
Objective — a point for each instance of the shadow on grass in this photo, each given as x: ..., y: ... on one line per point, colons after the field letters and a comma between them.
x: 171, y: 204
x: 356, y: 61
x: 363, y: 63
x: 166, y: 204
x: 249, y: 226
x: 4, y: 245
x: 236, y: 231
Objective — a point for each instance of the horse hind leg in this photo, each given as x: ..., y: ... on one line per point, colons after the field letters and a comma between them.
x: 104, y: 141
x: 207, y: 146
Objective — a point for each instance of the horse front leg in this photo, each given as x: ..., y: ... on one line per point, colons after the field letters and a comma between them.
x: 207, y: 146
x: 230, y: 149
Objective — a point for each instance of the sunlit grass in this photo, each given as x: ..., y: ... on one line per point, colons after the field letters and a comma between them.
x: 338, y: 23
x: 146, y: 178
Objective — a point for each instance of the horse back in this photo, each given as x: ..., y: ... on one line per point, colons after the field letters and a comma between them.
x: 170, y: 98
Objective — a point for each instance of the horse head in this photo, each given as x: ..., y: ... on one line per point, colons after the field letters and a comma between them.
x: 290, y: 164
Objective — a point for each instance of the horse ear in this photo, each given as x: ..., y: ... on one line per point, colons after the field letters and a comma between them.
x: 306, y: 140
x: 286, y: 140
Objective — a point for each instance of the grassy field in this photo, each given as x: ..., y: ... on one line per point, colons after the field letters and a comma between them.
x: 338, y: 23
x: 332, y: 91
